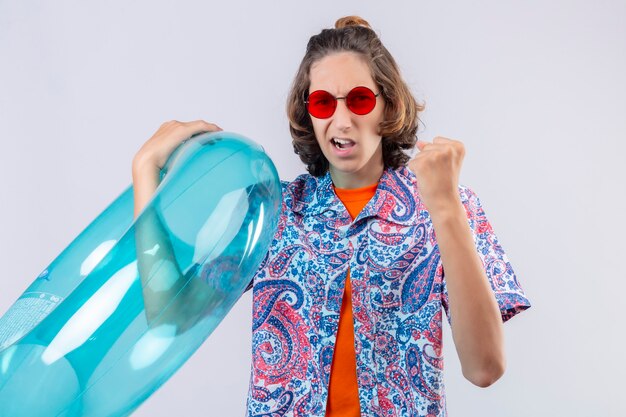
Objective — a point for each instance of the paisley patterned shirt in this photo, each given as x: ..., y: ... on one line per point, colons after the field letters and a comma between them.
x: 398, y: 291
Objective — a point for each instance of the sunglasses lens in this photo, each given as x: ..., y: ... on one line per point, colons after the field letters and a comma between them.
x: 361, y: 100
x: 321, y: 104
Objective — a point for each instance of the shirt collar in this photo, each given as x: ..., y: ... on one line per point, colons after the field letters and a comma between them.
x: 395, y: 199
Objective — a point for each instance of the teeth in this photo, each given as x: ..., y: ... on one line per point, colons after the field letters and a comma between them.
x: 342, y: 141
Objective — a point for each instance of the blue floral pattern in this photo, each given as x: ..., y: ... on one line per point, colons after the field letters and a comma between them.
x: 398, y: 295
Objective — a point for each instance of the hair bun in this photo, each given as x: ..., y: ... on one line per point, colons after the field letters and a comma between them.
x: 351, y: 21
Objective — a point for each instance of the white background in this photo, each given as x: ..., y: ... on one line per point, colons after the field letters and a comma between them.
x: 535, y: 90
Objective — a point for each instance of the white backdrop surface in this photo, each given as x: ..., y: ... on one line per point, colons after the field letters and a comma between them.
x: 535, y: 90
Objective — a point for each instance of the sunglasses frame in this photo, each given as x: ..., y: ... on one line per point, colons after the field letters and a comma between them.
x: 306, y: 101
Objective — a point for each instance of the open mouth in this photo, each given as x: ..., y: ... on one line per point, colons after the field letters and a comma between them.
x: 342, y: 143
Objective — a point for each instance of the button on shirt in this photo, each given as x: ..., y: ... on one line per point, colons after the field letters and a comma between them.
x: 398, y: 293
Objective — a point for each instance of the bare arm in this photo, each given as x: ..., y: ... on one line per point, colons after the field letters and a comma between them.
x: 160, y: 274
x: 474, y: 313
x: 476, y: 320
x: 162, y: 280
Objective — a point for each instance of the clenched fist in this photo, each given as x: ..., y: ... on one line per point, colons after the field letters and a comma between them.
x: 437, y: 167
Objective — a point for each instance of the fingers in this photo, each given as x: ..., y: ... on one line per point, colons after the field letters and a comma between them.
x: 185, y: 130
x: 437, y: 142
x: 198, y: 127
x: 203, y: 126
x: 171, y: 134
x: 422, y: 145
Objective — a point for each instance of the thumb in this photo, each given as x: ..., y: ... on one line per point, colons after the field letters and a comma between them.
x: 420, y: 144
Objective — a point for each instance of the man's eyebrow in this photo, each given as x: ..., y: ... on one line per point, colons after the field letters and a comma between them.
x: 340, y: 94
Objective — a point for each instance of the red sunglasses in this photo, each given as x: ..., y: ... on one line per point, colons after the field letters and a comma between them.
x: 360, y: 100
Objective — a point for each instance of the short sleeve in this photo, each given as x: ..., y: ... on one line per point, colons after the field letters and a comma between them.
x: 283, y: 185
x: 507, y: 289
x: 259, y: 269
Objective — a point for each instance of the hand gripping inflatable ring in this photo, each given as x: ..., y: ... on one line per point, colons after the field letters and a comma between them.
x: 129, y: 301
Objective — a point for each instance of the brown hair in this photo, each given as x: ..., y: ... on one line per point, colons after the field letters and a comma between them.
x: 399, y: 127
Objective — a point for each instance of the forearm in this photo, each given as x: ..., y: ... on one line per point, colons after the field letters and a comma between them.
x: 158, y: 270
x: 475, y: 316
x: 166, y: 293
x: 145, y: 182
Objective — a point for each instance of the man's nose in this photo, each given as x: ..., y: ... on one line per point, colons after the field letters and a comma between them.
x: 342, y: 116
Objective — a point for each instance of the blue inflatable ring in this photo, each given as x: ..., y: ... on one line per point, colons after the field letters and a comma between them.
x: 129, y: 301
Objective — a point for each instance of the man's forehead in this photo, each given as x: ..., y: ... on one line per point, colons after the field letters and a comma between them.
x: 339, y: 87
x: 339, y: 77
x: 341, y: 91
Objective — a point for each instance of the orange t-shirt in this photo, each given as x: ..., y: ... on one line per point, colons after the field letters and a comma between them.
x: 343, y: 394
